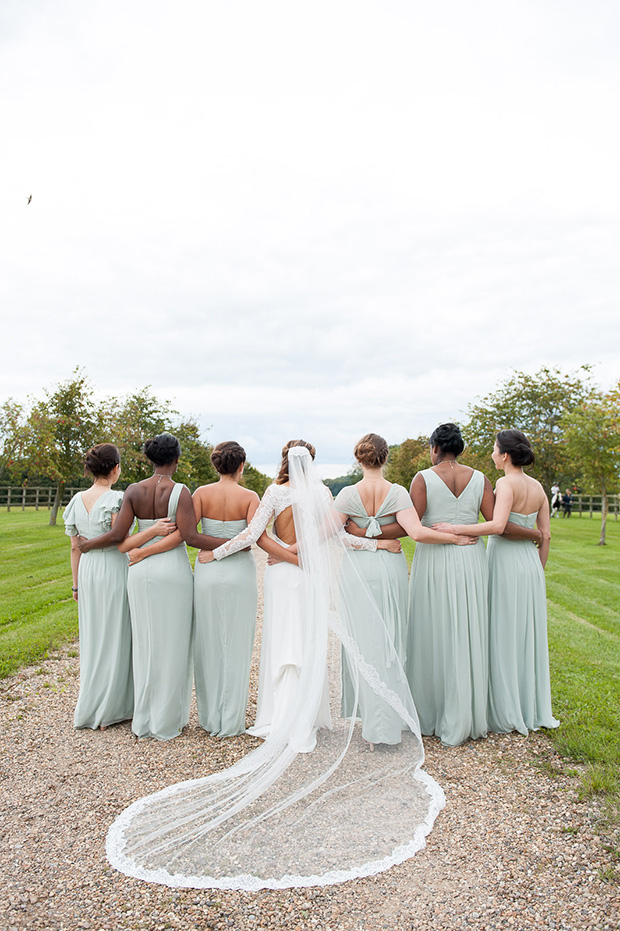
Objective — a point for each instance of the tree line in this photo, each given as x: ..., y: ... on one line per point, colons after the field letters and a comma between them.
x: 44, y: 441
x: 573, y: 426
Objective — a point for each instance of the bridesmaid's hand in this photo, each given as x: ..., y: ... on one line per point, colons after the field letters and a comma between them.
x: 164, y: 526
x: 461, y: 540
x: 206, y: 556
x: 83, y: 544
x: 444, y: 527
x: 136, y: 555
x: 392, y: 546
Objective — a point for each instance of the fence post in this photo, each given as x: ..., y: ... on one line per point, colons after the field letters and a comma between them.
x: 8, y: 499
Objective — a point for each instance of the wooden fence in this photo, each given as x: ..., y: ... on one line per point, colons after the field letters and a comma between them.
x: 14, y: 496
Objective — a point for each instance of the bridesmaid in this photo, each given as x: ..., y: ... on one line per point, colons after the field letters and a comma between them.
x: 100, y: 589
x: 160, y: 590
x: 225, y: 599
x: 448, y: 650
x: 519, y: 686
x: 377, y: 509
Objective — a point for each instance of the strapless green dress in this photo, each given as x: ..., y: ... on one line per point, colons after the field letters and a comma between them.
x: 225, y: 602
x: 519, y: 684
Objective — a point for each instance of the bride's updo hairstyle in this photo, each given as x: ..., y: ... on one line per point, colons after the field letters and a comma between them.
x: 447, y: 438
x: 227, y: 457
x: 283, y: 475
x: 517, y: 445
x: 162, y: 449
x: 101, y: 459
x: 371, y: 451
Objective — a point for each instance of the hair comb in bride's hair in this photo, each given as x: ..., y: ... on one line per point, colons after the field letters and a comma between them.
x: 298, y: 451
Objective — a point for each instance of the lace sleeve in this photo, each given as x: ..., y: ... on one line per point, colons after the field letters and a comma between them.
x: 252, y: 532
x: 357, y: 543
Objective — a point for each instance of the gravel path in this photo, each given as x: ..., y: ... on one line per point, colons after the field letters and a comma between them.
x: 515, y: 848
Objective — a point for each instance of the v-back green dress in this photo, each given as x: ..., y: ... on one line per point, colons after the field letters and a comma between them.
x: 161, y: 595
x: 106, y: 681
x: 225, y: 601
x: 384, y: 574
x: 448, y: 650
x: 519, y: 685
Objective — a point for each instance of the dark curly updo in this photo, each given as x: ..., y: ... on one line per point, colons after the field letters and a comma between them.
x: 371, y: 451
x: 162, y: 449
x: 517, y: 445
x: 283, y: 475
x: 101, y: 459
x: 447, y: 438
x: 228, y: 457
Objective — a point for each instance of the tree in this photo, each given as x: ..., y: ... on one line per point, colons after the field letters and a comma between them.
x: 57, y: 432
x: 407, y: 459
x: 11, y: 424
x: 130, y: 421
x: 255, y: 480
x: 352, y: 477
x: 592, y: 435
x: 536, y: 405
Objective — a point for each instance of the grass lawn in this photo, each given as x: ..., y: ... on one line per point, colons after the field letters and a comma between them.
x: 38, y: 614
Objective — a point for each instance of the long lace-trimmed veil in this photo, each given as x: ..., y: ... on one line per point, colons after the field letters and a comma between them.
x: 281, y: 817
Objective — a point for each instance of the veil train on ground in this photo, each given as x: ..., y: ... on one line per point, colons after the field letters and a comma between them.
x: 281, y: 817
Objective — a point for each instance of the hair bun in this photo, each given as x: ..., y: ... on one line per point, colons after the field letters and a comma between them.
x: 447, y: 437
x: 227, y: 457
x: 516, y: 445
x: 101, y: 459
x: 371, y: 451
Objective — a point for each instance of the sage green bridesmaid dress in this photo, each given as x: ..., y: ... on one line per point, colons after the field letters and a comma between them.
x: 161, y: 595
x: 519, y: 684
x: 384, y: 574
x: 225, y: 602
x: 447, y: 648
x: 106, y: 680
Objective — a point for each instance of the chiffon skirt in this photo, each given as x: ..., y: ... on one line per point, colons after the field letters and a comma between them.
x: 519, y: 685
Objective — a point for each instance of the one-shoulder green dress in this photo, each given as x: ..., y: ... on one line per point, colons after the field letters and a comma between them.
x: 225, y: 601
x: 106, y: 681
x: 384, y: 575
x: 161, y: 595
x: 448, y: 645
x: 519, y: 683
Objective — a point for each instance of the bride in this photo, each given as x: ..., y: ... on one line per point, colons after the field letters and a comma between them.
x: 283, y: 640
x: 284, y: 817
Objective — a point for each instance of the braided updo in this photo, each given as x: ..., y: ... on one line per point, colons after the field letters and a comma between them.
x: 517, y: 446
x: 447, y: 437
x: 227, y: 457
x: 371, y: 451
x: 162, y: 449
x: 283, y: 475
x: 101, y: 459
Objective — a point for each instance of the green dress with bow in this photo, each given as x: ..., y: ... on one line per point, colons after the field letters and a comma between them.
x: 384, y: 575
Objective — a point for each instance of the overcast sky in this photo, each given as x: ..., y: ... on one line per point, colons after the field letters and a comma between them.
x: 308, y: 219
